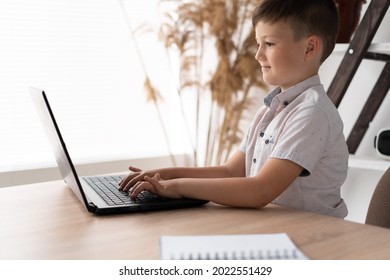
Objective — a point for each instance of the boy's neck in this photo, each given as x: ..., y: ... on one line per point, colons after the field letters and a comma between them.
x: 304, y: 78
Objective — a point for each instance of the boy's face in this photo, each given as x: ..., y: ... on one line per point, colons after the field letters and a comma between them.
x: 283, y: 59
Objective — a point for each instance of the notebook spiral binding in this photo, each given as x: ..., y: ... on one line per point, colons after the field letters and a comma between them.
x: 252, y: 255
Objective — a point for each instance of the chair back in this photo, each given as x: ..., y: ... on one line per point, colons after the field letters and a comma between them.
x: 378, y: 213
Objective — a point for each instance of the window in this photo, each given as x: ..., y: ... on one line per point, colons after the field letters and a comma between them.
x: 82, y: 54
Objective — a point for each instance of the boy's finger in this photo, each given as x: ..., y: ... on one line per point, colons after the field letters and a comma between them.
x: 153, y: 181
x: 134, y: 169
x: 157, y: 177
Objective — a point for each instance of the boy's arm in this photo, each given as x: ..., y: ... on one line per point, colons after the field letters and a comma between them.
x: 234, y: 167
x: 253, y: 192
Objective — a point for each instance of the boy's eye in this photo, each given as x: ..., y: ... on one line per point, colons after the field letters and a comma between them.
x: 269, y: 44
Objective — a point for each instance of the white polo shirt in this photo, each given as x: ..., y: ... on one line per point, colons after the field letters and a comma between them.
x: 302, y: 124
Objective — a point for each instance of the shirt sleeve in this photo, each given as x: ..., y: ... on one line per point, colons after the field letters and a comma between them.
x: 303, y: 138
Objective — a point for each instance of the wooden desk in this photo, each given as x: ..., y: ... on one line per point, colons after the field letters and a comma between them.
x: 46, y: 221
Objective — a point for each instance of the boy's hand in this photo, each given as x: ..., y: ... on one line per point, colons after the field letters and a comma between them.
x: 133, y: 178
x: 154, y: 185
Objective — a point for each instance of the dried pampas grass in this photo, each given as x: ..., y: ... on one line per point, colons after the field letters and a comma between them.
x: 225, y: 82
x: 187, y: 28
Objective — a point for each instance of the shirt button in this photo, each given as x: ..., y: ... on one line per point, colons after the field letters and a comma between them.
x: 261, y: 134
x: 266, y: 141
x: 254, y: 160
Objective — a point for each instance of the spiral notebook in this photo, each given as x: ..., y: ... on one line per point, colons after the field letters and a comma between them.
x: 276, y: 246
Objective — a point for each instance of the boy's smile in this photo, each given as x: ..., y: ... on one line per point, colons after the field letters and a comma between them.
x: 265, y: 68
x: 282, y: 57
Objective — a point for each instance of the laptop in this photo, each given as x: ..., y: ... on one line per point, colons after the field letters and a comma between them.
x: 99, y: 194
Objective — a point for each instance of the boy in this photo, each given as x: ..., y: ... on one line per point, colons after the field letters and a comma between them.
x: 294, y: 153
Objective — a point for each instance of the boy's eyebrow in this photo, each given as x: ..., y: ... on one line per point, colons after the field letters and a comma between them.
x: 265, y: 37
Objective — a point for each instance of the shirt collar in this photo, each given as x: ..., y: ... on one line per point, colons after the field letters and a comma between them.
x: 290, y: 94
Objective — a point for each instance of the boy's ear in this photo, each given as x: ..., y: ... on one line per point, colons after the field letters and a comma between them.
x: 313, y: 46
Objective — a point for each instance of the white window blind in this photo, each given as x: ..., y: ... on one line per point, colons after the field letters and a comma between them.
x: 81, y: 53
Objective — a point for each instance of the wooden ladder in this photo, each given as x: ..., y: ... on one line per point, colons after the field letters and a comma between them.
x: 357, y: 51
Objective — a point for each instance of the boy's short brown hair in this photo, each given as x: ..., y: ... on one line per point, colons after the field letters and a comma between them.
x: 306, y: 18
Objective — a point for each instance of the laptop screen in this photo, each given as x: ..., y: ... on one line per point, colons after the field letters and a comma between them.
x: 57, y: 143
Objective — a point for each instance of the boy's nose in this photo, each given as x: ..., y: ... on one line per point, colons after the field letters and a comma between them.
x: 259, y: 55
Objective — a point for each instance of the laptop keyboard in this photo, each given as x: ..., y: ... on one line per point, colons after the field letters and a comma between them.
x: 107, y: 188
